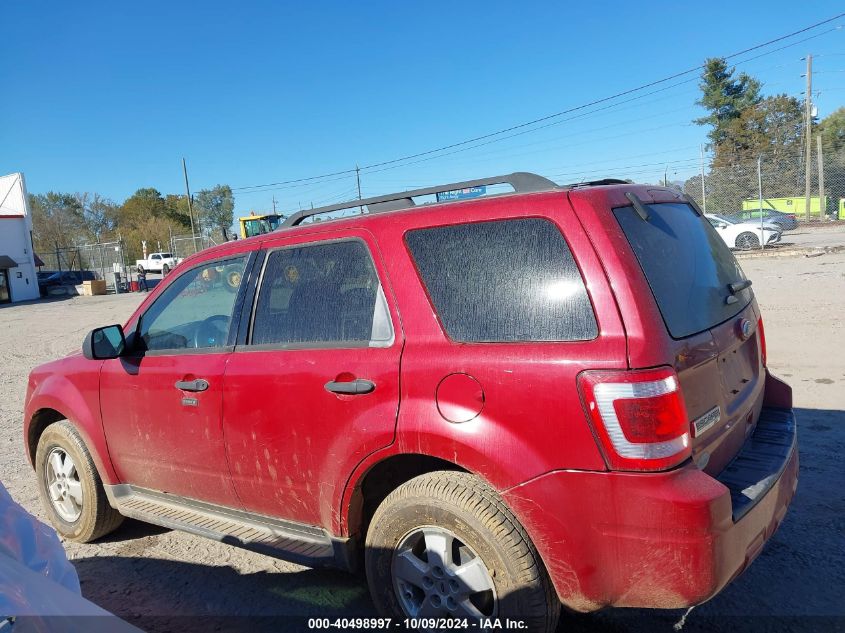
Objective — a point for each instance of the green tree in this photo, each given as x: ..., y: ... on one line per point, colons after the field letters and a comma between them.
x: 99, y: 214
x: 772, y: 128
x: 58, y: 219
x: 215, y: 209
x: 142, y: 205
x: 176, y: 208
x: 832, y: 130
x: 725, y: 97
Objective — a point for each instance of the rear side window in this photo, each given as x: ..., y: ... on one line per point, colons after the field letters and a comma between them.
x: 687, y: 265
x: 321, y: 294
x: 503, y: 281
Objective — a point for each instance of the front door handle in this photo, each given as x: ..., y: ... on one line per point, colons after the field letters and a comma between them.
x: 192, y: 385
x: 352, y: 387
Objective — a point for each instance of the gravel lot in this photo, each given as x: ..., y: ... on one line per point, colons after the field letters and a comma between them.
x: 167, y: 581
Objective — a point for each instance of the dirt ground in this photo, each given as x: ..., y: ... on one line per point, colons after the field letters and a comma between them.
x: 162, y: 580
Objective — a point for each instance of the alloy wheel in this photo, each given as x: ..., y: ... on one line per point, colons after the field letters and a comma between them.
x: 63, y: 485
x: 436, y: 575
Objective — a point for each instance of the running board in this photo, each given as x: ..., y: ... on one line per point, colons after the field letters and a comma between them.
x: 287, y: 540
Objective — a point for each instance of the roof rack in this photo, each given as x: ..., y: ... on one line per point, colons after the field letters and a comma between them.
x: 522, y: 182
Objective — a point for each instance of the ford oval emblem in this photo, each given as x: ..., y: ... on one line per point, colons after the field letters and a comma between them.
x: 745, y: 328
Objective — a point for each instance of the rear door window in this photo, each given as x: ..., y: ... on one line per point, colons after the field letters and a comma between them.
x: 503, y: 281
x: 687, y: 265
x: 324, y: 294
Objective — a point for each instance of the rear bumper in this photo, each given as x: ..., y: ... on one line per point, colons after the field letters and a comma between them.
x: 660, y: 540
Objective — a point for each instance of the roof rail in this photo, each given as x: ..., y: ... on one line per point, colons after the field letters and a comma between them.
x: 522, y: 182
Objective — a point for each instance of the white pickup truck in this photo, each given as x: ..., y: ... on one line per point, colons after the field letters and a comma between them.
x: 158, y: 263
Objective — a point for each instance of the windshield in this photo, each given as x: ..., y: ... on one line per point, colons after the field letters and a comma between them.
x: 687, y: 265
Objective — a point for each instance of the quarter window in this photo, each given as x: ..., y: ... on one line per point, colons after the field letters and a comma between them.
x: 507, y: 280
x: 194, y: 311
x: 319, y: 294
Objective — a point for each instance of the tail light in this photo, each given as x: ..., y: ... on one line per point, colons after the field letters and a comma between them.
x: 639, y: 417
x: 762, y: 333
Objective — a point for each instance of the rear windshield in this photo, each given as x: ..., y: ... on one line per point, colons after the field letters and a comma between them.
x: 688, y: 266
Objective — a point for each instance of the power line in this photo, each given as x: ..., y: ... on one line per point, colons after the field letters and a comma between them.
x: 603, y: 99
x: 562, y: 112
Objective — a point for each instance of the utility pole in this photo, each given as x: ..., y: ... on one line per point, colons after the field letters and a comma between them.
x: 703, y: 194
x: 190, y: 204
x: 760, y: 199
x: 808, y: 130
x: 666, y: 176
x: 358, y: 179
x: 274, y: 203
x: 822, y: 205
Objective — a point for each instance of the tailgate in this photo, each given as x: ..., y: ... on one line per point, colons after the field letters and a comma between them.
x: 723, y: 390
x: 710, y: 316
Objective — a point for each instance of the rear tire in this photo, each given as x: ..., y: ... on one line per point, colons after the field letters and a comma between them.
x: 746, y: 241
x: 488, y: 566
x: 70, y: 486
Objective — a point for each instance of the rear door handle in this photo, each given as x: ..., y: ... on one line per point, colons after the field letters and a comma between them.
x: 192, y: 385
x: 352, y: 387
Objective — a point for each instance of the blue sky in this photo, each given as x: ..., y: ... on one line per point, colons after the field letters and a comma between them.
x: 108, y: 97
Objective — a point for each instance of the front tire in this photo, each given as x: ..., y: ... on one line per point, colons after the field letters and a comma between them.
x: 746, y: 241
x: 70, y: 486
x: 444, y: 545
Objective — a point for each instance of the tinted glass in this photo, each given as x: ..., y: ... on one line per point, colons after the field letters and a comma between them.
x: 196, y: 309
x: 107, y: 342
x: 509, y: 280
x: 687, y: 265
x: 322, y: 293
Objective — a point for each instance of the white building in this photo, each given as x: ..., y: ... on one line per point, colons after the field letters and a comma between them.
x: 18, y: 281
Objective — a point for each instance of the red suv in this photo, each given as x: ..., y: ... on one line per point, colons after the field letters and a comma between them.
x: 497, y: 405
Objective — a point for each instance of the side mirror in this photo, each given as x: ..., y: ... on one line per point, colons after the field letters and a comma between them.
x: 104, y: 342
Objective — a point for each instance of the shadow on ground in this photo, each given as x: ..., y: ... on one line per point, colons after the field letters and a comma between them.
x: 796, y: 584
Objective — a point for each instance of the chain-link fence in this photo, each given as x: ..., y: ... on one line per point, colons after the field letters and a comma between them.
x: 60, y: 259
x: 773, y: 190
x: 775, y: 184
x: 184, y: 245
x: 101, y: 259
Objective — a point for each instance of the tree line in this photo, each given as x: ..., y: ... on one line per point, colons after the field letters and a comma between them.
x: 62, y: 220
x: 744, y: 125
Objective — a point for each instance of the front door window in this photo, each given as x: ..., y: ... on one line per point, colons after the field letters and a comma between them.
x: 194, y: 311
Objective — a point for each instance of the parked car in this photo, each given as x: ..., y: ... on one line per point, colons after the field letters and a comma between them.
x: 783, y: 221
x: 51, y: 279
x: 495, y: 406
x: 744, y: 235
x: 158, y: 263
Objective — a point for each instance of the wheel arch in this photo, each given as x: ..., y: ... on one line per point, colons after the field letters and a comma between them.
x: 39, y: 421
x: 380, y: 479
x: 45, y: 410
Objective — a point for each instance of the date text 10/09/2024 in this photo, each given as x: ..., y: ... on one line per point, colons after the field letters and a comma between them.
x: 414, y: 624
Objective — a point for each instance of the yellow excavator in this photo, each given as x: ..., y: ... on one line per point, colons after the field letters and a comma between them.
x: 255, y: 224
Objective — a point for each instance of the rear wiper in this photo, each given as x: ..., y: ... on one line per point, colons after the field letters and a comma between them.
x: 639, y: 207
x: 739, y: 286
